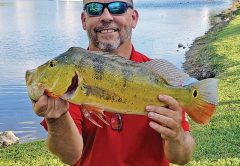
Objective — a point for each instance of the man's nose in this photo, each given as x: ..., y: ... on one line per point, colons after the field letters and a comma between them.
x: 106, y: 16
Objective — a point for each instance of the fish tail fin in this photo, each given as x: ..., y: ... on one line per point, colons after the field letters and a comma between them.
x: 204, y: 100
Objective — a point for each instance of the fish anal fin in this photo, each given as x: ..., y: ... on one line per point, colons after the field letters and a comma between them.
x: 97, y: 111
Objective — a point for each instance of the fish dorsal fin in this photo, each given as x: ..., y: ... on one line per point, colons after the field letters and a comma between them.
x: 167, y: 71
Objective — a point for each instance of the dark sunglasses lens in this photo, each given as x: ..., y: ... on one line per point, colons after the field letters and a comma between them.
x: 94, y: 9
x: 117, y: 7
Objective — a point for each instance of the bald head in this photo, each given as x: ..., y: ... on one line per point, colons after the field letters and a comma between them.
x: 130, y: 1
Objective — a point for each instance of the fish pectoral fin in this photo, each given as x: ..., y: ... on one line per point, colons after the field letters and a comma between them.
x: 100, y: 116
x: 88, y: 116
x: 92, y: 108
x: 97, y: 111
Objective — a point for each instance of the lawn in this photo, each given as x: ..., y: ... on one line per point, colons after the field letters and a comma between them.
x: 28, y: 154
x: 219, y: 141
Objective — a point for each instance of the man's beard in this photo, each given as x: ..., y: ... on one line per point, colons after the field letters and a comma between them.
x: 109, y: 47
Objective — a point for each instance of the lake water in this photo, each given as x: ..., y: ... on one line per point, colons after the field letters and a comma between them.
x: 32, y: 32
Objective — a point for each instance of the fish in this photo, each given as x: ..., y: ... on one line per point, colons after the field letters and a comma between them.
x: 100, y: 81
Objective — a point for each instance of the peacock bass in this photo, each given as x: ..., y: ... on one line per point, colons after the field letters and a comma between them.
x: 104, y: 82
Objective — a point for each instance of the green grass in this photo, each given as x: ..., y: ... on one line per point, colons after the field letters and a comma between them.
x: 218, y: 143
x: 28, y: 154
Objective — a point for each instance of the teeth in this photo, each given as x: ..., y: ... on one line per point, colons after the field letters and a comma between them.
x: 108, y: 31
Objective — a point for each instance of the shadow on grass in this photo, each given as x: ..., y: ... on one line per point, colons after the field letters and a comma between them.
x: 229, y: 102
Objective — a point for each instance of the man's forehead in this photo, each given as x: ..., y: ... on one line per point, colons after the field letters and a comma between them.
x: 105, y: 1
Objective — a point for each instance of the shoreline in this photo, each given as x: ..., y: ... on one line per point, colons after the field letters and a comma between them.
x: 197, y: 64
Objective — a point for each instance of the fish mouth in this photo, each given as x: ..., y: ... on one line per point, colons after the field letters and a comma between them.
x: 28, y: 76
x: 72, y: 88
x: 34, y: 91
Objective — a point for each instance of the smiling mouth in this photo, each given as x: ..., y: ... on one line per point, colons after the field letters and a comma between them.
x: 72, y: 88
x: 109, y: 30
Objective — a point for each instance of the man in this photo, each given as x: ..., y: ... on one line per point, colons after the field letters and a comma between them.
x: 158, y: 139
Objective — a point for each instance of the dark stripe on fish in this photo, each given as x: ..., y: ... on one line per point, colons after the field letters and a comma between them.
x: 155, y: 79
x: 126, y: 76
x: 98, y: 67
x: 102, y: 93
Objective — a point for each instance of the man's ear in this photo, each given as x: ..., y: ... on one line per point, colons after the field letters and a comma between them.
x: 83, y: 18
x: 135, y: 16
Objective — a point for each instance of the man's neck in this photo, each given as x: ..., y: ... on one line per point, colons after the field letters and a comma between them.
x: 125, y: 50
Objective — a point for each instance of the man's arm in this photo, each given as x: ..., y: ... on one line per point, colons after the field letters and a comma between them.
x: 63, y: 139
x: 180, y: 152
x: 179, y: 145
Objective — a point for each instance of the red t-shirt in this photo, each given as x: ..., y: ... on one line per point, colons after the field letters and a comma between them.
x: 134, y: 145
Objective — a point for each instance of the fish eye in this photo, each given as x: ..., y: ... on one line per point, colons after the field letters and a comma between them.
x: 195, y: 93
x: 52, y: 64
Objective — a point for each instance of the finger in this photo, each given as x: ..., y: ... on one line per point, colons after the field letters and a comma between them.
x: 57, y: 104
x: 40, y: 107
x: 51, y: 103
x: 61, y: 104
x: 160, y: 110
x: 165, y: 132
x: 163, y: 120
x: 56, y: 107
x: 170, y: 101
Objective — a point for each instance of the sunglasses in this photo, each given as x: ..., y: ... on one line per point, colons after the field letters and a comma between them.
x: 115, y: 8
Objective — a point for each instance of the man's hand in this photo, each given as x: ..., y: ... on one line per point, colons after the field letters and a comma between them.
x: 179, y: 145
x: 167, y: 121
x: 49, y: 107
